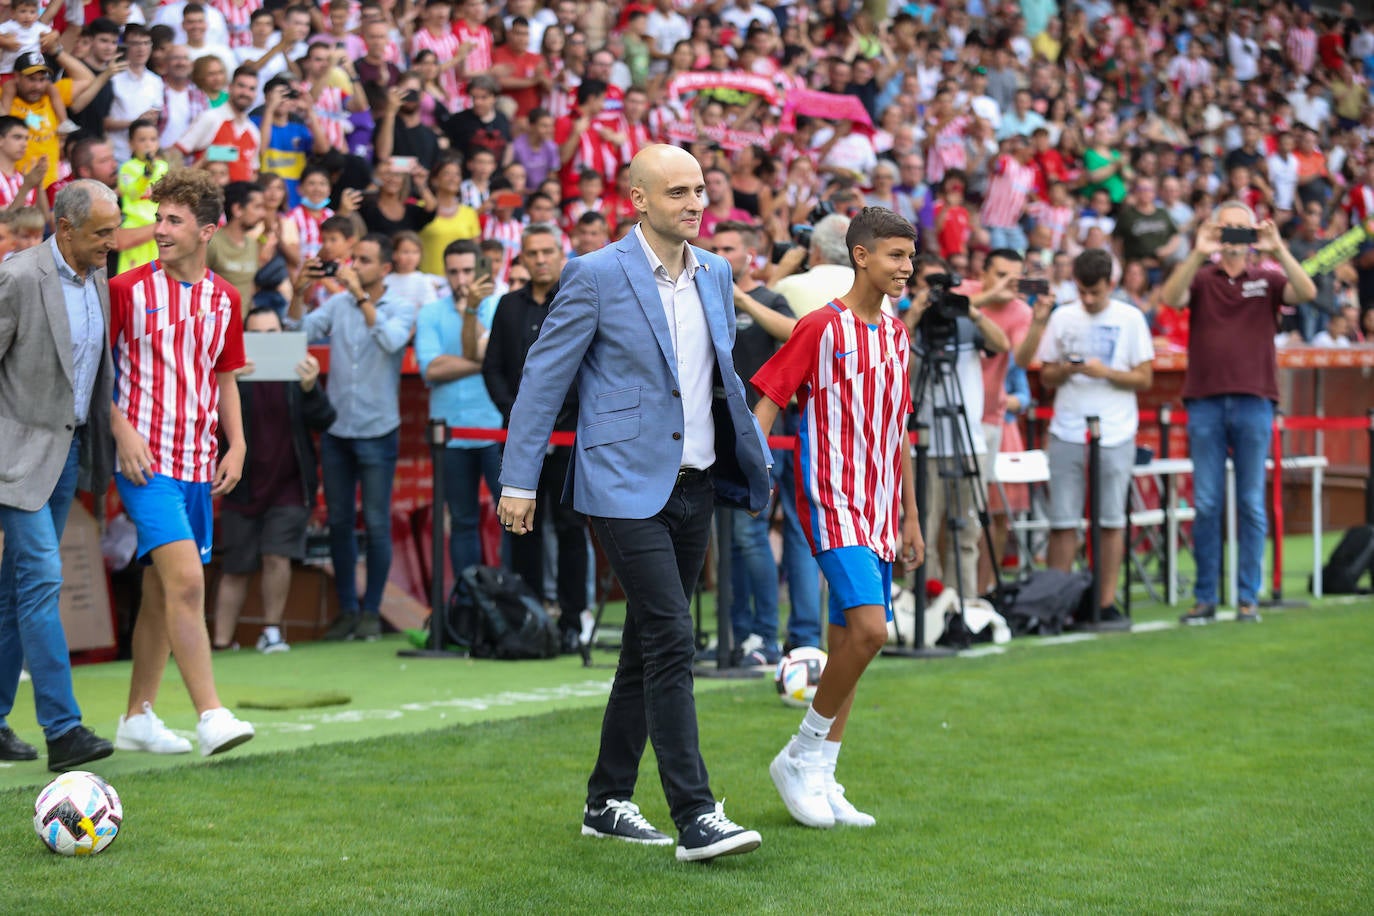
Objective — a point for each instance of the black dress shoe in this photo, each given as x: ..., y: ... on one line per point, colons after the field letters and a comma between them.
x: 11, y: 748
x: 78, y: 746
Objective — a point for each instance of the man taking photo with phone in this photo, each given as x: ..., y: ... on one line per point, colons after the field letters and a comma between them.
x: 1232, y: 386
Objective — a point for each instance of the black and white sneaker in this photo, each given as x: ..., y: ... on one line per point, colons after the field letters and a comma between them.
x: 621, y: 820
x: 713, y: 834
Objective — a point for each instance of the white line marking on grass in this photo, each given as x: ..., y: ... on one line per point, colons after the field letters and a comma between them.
x: 1063, y: 640
x: 1152, y: 626
x: 983, y: 650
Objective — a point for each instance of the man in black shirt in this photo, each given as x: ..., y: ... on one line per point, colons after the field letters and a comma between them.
x: 514, y: 328
x: 104, y: 46
x: 400, y: 132
x: 481, y: 126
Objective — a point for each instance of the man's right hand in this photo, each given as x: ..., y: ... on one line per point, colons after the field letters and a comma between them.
x: 1208, y: 240
x: 516, y: 515
x: 135, y: 457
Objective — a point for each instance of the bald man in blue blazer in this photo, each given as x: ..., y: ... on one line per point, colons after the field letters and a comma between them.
x: 645, y: 329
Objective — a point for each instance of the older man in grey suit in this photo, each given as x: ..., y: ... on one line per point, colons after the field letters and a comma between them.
x: 55, y: 394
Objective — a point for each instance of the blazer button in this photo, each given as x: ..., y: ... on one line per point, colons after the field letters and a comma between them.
x: 676, y: 393
x: 677, y: 435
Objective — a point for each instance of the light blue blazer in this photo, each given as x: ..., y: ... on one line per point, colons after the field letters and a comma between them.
x: 607, y: 333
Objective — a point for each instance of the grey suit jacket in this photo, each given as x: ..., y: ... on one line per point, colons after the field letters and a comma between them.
x: 37, y: 415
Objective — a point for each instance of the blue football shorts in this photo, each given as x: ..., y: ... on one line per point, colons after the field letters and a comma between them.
x: 857, y: 577
x: 165, y: 510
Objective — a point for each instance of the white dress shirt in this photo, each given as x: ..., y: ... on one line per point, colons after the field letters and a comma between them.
x: 696, y: 358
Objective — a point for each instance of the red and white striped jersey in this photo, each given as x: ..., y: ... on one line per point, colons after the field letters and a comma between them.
x: 1301, y: 47
x: 850, y: 379
x: 1189, y: 72
x: 472, y: 195
x: 237, y: 14
x: 508, y: 233
x: 169, y: 339
x: 9, y: 190
x: 479, y: 58
x: 574, y: 210
x: 947, y: 149
x: 1059, y: 219
x: 308, y: 227
x: 1360, y: 204
x: 1010, y: 186
x: 445, y: 48
x: 332, y: 105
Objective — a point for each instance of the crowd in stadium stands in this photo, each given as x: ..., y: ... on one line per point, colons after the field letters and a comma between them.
x: 388, y: 165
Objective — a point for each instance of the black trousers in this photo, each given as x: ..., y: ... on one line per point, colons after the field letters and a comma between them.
x: 657, y: 561
x: 569, y: 525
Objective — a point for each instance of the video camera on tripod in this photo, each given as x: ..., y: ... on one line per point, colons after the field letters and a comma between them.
x: 945, y: 307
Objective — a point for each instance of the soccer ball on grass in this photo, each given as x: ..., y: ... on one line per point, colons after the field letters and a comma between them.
x: 77, y: 814
x: 798, y: 674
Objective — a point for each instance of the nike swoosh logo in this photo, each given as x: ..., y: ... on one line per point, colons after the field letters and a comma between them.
x: 839, y: 355
x: 154, y: 311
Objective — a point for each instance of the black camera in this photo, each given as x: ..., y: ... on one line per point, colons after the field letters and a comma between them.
x: 411, y: 96
x: 292, y: 93
x: 329, y: 268
x: 1237, y: 235
x: 939, y: 322
x: 801, y: 238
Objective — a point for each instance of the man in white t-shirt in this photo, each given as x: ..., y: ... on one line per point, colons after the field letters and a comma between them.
x: 1095, y: 354
x: 137, y: 91
x: 171, y: 14
x: 744, y: 13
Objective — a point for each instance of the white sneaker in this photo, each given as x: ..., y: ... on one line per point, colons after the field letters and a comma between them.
x: 146, y: 732
x: 220, y: 730
x: 842, y: 808
x: 270, y: 642
x: 801, y: 783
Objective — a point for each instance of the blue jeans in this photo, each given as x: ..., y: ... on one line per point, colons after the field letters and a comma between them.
x: 798, y: 563
x: 346, y: 464
x: 1240, y: 425
x: 464, y: 471
x: 753, y: 579
x: 30, y: 622
x: 1013, y: 238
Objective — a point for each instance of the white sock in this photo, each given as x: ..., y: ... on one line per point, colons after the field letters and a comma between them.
x: 830, y: 753
x: 812, y: 733
x: 272, y: 634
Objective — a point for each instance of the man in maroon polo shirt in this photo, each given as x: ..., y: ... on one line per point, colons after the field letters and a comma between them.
x: 1232, y: 386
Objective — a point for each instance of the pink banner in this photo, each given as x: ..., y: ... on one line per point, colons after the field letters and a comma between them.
x: 831, y: 106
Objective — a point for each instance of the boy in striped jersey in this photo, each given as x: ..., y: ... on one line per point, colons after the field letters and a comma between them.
x: 178, y: 341
x: 847, y: 365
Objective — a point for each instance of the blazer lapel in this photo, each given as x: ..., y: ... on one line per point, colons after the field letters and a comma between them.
x: 709, y: 291
x: 50, y: 291
x: 635, y: 265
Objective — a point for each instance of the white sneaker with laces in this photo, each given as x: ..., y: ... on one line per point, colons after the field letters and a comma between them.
x: 220, y: 730
x: 270, y: 642
x: 146, y: 732
x: 842, y: 808
x: 800, y: 780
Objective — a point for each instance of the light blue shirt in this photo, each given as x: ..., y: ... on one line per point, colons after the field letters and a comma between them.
x: 463, y: 401
x: 87, y: 327
x: 1012, y: 125
x: 364, y: 362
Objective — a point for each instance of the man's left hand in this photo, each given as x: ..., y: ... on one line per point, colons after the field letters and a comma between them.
x: 1093, y: 368
x: 229, y: 471
x: 1267, y: 236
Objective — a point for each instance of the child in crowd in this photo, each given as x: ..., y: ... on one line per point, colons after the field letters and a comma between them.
x: 310, y: 214
x: 22, y: 35
x: 855, y: 488
x: 136, y: 180
x: 953, y: 223
x: 504, y: 226
x: 535, y: 149
x: 17, y: 189
x: 406, y: 280
x: 475, y: 190
x: 27, y: 225
x: 590, y: 186
x: 337, y: 236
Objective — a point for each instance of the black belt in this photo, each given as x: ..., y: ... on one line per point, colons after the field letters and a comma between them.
x: 684, y: 475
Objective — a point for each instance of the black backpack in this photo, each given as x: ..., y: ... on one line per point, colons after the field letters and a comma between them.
x: 1351, y: 561
x: 493, y: 614
x: 1044, y: 603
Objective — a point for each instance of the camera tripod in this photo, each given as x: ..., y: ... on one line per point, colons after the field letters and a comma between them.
x: 951, y: 435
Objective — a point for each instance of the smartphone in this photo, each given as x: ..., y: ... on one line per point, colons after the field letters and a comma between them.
x: 483, y: 266
x: 411, y: 96
x: 222, y: 153
x: 1033, y: 286
x: 292, y: 93
x: 1075, y: 360
x: 1233, y: 235
x: 329, y: 268
x: 122, y: 53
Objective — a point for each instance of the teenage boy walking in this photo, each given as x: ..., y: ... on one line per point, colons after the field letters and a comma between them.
x: 847, y: 365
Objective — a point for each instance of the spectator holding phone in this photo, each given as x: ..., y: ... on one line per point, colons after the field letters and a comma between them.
x: 1232, y: 385
x: 368, y: 330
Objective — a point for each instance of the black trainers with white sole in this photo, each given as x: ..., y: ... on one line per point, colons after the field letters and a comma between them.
x: 621, y: 820
x: 712, y: 834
